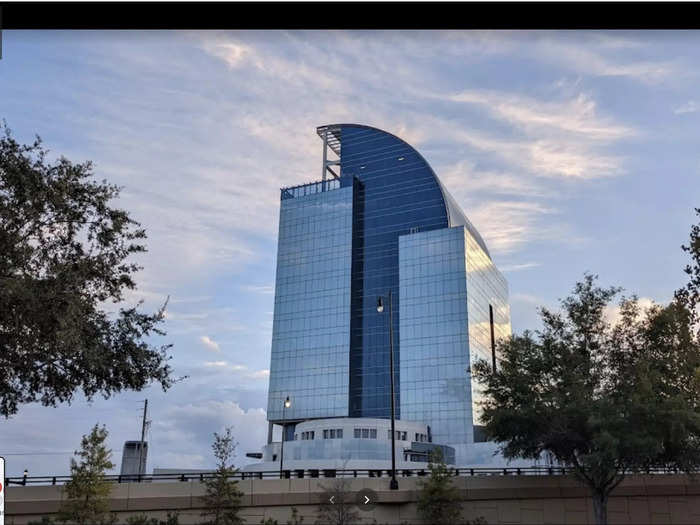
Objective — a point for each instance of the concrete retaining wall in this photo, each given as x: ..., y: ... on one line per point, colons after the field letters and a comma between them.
x: 499, y: 499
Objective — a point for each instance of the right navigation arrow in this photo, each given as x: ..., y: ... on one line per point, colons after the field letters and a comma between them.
x: 366, y: 500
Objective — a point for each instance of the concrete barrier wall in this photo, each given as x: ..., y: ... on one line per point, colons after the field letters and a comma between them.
x: 498, y: 499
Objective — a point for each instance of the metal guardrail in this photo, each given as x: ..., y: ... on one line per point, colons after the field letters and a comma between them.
x: 319, y: 473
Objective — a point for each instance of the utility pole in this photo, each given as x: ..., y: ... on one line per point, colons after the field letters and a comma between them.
x: 143, y: 436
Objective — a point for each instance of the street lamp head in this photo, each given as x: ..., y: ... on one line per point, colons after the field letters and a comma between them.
x: 287, y: 403
x: 380, y: 304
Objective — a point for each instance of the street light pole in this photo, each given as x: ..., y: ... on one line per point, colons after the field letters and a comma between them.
x: 394, y: 485
x: 287, y: 404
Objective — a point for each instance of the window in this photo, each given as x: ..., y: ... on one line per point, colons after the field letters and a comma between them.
x: 325, y: 434
x: 373, y: 433
x: 312, y: 434
x: 365, y: 433
x: 416, y: 436
x: 332, y: 431
x: 389, y: 433
x: 296, y: 436
x: 403, y: 436
x: 339, y: 433
x: 357, y: 433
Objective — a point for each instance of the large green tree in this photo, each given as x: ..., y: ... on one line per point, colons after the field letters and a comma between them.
x: 64, y: 254
x: 86, y: 495
x: 604, y: 398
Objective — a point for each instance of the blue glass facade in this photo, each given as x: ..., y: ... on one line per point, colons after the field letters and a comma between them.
x: 434, y: 335
x: 311, y: 325
x: 386, y: 224
x: 396, y: 193
x: 450, y: 292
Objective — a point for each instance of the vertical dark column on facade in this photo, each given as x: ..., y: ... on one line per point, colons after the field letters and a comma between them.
x: 356, y: 295
x: 493, y: 339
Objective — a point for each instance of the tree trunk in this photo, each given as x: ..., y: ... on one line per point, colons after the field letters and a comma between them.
x: 600, y: 508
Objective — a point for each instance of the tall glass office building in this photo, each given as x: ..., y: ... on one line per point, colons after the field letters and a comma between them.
x: 378, y: 223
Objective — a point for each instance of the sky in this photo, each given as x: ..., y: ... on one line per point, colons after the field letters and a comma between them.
x: 569, y: 151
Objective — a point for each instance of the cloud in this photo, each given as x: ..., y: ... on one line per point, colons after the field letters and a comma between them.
x: 689, y: 107
x: 209, y: 344
x: 544, y: 154
x: 507, y: 225
x: 527, y: 298
x: 226, y: 367
x: 260, y: 374
x: 465, y: 177
x: 194, y: 424
x: 587, y: 58
x: 612, y: 312
x: 262, y: 289
x: 592, y: 54
x: 577, y: 115
x: 517, y: 267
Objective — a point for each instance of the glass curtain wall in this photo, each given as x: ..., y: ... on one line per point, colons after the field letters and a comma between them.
x: 396, y: 193
x: 311, y: 325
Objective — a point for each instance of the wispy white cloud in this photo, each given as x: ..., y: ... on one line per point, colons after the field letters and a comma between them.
x: 225, y: 366
x: 465, y: 177
x: 262, y: 289
x: 577, y: 115
x: 260, y: 374
x: 589, y: 62
x: 689, y: 107
x: 592, y: 54
x: 209, y: 343
x: 508, y: 225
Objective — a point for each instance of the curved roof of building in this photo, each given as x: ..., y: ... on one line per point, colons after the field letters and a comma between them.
x: 455, y: 215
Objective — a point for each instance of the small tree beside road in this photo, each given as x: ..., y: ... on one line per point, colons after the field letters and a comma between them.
x: 337, y: 505
x: 438, y: 499
x: 222, y: 499
x: 87, y: 493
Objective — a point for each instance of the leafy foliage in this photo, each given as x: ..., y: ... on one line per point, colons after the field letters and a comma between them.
x: 438, y: 500
x: 606, y: 399
x: 690, y: 293
x: 342, y: 511
x: 222, y: 499
x: 87, y: 493
x: 63, y: 252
